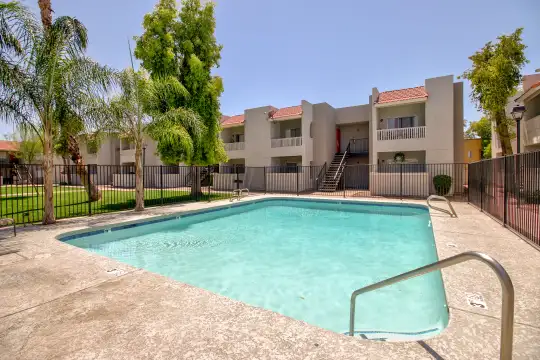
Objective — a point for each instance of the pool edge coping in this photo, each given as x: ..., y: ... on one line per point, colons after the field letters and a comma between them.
x: 70, y: 235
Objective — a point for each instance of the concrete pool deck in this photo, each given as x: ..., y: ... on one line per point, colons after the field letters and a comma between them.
x: 59, y: 301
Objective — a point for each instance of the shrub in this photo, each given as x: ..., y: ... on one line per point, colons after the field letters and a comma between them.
x: 442, y: 184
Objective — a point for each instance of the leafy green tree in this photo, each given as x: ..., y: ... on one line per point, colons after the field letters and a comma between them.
x: 486, y: 152
x: 49, y: 82
x: 495, y: 75
x: 179, y: 48
x: 30, y: 146
x: 481, y: 129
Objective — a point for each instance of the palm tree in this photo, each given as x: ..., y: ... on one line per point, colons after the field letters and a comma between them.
x: 45, y: 9
x: 136, y: 110
x: 49, y: 82
x: 179, y: 131
x: 128, y: 121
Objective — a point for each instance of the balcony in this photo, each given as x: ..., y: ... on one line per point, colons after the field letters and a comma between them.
x: 532, y: 127
x: 359, y: 146
x: 417, y: 132
x: 286, y: 142
x: 235, y: 146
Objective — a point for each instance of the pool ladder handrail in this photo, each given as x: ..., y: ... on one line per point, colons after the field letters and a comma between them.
x: 238, y: 193
x: 507, y: 312
x: 452, y: 212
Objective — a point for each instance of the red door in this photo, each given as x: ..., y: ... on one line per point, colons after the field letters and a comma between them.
x: 338, y: 140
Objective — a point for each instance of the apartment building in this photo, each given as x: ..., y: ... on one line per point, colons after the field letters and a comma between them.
x: 529, y: 97
x: 423, y: 124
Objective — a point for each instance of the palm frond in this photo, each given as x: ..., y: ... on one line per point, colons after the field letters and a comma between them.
x: 165, y: 93
x: 18, y: 28
x: 178, y: 133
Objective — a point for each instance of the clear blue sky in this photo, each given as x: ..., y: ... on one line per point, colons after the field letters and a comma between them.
x: 279, y: 52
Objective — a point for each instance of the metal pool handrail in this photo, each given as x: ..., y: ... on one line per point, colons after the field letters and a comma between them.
x: 452, y: 212
x: 238, y: 193
x: 507, y: 312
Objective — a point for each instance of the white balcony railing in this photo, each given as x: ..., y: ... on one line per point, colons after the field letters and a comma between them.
x: 285, y: 142
x: 235, y: 146
x: 417, y: 132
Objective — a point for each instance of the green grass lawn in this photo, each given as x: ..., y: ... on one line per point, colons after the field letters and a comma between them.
x: 26, y: 206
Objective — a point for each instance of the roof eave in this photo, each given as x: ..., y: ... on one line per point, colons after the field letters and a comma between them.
x: 288, y: 117
x: 402, y: 102
x: 529, y: 94
x: 225, y: 126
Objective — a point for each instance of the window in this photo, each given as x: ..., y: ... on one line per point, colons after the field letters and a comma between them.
x: 469, y: 154
x: 401, y: 122
x: 238, y: 138
x: 289, y: 133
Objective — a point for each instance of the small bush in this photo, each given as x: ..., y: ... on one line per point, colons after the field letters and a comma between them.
x: 442, y: 184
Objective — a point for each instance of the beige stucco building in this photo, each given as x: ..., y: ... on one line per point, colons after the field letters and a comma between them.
x: 420, y: 125
x: 425, y: 123
x: 529, y: 97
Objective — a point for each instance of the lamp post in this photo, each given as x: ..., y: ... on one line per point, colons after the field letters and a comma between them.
x: 517, y: 115
x: 143, y: 154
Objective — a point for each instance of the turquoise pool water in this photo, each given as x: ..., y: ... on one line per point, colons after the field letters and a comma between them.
x: 300, y: 258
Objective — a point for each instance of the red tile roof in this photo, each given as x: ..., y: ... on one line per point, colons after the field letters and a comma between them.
x: 535, y: 85
x: 6, y: 145
x: 402, y: 94
x: 232, y: 120
x: 287, y: 112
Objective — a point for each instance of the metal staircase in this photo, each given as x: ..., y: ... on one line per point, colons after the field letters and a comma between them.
x: 335, y: 171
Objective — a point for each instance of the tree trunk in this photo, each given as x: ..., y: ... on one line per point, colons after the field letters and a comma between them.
x: 46, y: 13
x: 196, y: 192
x: 501, y: 126
x: 48, y: 205
x: 139, y: 185
x: 73, y: 147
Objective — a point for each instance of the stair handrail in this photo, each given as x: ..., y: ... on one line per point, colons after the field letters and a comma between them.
x: 507, y: 311
x: 320, y: 175
x: 342, y: 159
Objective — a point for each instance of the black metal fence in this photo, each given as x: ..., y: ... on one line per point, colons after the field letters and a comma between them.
x: 21, y: 190
x: 508, y: 188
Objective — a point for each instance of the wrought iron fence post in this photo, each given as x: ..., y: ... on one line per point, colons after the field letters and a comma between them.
x: 89, y: 191
x: 344, y: 177
x: 161, y: 182
x: 237, y: 177
x: 468, y: 167
x: 505, y: 190
x: 209, y: 183
x: 481, y: 186
x: 400, y: 181
x: 264, y: 173
x: 297, y: 186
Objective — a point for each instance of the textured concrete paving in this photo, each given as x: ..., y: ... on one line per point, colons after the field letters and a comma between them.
x: 58, y: 301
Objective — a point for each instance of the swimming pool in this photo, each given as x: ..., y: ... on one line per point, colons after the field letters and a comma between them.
x: 301, y: 258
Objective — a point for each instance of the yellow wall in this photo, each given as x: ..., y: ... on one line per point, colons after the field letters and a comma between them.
x: 474, y: 146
